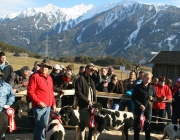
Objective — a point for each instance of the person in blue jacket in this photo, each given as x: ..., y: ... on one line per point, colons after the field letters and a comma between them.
x: 7, y: 96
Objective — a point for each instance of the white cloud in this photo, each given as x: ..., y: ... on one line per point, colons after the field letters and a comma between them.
x: 11, y: 6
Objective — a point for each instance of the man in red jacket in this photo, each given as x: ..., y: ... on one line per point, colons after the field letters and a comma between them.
x: 163, y: 93
x: 40, y: 91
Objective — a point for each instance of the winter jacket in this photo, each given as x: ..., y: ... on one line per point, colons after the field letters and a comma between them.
x: 16, y: 79
x: 7, y: 96
x: 60, y: 84
x: 40, y: 89
x: 176, y: 103
x: 140, y: 96
x: 6, y: 70
x: 82, y: 89
x: 160, y: 92
x: 100, y: 87
x: 128, y: 84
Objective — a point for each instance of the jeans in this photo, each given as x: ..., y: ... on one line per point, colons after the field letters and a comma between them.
x: 147, y: 126
x: 115, y: 105
x: 159, y: 113
x: 168, y: 110
x: 41, y: 116
x: 124, y: 103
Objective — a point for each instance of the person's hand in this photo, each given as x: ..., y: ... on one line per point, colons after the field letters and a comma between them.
x: 150, y: 98
x: 105, y: 84
x: 54, y: 108
x: 142, y: 108
x: 90, y: 103
x: 95, y: 69
x: 42, y: 105
x: 163, y: 98
x: 70, y: 83
x: 14, y: 90
x: 6, y: 106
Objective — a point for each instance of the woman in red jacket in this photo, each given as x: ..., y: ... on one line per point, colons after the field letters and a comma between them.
x: 163, y: 93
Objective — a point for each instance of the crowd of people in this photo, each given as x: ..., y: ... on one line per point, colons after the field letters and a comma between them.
x: 147, y: 95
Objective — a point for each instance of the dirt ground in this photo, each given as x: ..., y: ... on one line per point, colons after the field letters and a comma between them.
x: 70, y: 135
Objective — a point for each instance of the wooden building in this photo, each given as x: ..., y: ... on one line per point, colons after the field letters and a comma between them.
x: 166, y: 63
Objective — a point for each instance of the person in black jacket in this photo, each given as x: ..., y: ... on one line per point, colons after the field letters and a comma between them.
x: 143, y: 95
x: 176, y: 108
x: 5, y: 68
x: 85, y: 91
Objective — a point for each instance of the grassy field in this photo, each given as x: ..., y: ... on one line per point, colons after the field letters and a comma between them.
x: 18, y: 62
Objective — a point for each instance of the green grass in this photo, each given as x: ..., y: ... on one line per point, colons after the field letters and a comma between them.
x: 18, y: 62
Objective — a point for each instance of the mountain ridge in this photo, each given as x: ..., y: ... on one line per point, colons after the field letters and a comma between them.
x: 132, y: 30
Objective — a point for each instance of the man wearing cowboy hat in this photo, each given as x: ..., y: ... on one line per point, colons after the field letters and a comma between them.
x: 7, y: 96
x: 40, y: 91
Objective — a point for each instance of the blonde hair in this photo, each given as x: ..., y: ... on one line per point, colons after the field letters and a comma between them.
x: 155, y: 80
x: 147, y: 74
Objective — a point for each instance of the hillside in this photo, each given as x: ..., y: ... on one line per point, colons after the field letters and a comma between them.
x: 19, y: 62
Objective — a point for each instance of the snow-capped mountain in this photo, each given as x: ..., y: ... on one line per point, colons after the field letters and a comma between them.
x: 131, y: 29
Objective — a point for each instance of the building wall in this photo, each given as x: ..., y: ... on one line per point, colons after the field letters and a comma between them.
x: 169, y: 71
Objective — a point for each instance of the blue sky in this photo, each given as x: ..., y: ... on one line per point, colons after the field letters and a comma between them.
x: 11, y: 6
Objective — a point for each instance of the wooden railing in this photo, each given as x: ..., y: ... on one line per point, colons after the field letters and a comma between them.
x: 98, y: 94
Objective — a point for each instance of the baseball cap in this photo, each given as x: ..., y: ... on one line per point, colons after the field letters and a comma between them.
x: 57, y: 67
x: 178, y: 80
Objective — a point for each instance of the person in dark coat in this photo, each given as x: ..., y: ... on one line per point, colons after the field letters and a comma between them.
x: 55, y: 72
x: 115, y: 86
x: 5, y: 67
x: 85, y: 91
x: 143, y: 95
x: 62, y: 83
x: 103, y: 87
x: 176, y: 108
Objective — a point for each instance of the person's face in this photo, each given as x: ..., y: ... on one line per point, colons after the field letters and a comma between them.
x: 114, y: 80
x: 57, y: 70
x: 36, y: 67
x: 141, y: 75
x: 89, y: 71
x: 2, y: 59
x: 132, y: 75
x: 177, y: 84
x: 26, y: 75
x: 82, y: 70
x: 69, y: 71
x: 103, y: 72
x: 110, y: 72
x: 161, y: 83
x: 147, y: 79
x: 169, y: 84
x: 44, y: 70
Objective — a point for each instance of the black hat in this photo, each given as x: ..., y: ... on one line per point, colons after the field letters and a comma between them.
x: 46, y: 63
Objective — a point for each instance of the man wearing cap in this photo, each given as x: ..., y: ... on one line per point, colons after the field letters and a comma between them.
x: 62, y: 83
x: 40, y: 91
x: 163, y: 93
x: 7, y: 96
x: 55, y: 71
x: 5, y: 68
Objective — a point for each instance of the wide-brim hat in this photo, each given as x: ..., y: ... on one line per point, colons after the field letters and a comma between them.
x: 45, y: 63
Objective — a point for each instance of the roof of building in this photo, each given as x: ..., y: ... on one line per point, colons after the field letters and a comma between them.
x: 166, y: 57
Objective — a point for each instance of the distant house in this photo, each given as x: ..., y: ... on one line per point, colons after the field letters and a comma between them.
x: 21, y: 54
x: 166, y: 63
